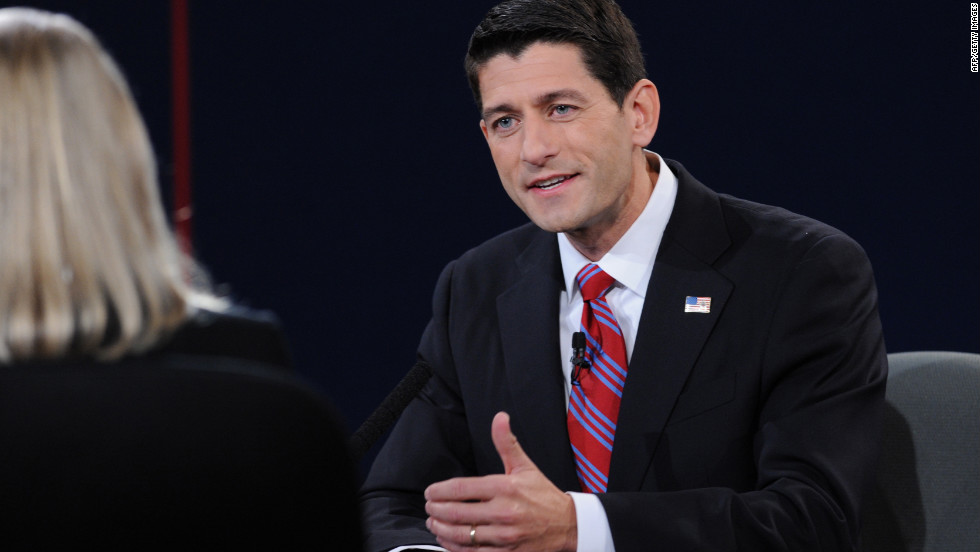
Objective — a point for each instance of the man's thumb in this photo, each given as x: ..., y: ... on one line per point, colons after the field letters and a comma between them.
x: 508, y: 448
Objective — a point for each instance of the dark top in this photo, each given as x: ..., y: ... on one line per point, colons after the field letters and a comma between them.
x: 236, y: 332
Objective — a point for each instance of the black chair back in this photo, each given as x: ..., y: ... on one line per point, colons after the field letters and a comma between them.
x: 173, y: 451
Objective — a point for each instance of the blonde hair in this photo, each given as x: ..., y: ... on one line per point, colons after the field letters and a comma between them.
x: 88, y: 265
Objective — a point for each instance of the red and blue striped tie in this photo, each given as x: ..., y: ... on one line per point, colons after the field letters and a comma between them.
x: 593, y: 406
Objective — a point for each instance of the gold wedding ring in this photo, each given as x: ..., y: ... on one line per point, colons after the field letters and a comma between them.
x: 472, y: 535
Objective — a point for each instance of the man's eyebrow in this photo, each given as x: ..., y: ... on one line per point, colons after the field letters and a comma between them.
x: 569, y: 94
x: 501, y: 108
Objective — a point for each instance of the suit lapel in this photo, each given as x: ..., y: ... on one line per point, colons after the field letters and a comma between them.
x: 669, y: 339
x: 528, y: 313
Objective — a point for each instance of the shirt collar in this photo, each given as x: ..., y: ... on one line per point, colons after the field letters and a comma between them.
x: 630, y: 261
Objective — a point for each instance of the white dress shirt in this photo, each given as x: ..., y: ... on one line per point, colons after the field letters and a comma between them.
x: 630, y: 263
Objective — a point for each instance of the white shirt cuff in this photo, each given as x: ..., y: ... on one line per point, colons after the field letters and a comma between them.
x: 593, y: 526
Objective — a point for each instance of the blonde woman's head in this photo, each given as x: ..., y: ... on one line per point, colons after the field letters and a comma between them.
x: 88, y: 265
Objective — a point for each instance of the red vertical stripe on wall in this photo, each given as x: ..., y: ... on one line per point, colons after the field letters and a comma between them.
x: 181, y: 98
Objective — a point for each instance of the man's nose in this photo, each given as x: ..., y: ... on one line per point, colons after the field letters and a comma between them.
x: 541, y: 142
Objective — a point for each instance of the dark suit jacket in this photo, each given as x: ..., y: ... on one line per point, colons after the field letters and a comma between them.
x: 752, y: 427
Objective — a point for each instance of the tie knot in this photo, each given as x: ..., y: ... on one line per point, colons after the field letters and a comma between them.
x: 593, y: 282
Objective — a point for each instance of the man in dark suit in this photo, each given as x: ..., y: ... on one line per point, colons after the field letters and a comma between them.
x: 756, y: 364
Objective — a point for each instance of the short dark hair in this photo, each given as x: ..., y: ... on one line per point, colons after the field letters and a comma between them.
x: 609, y: 45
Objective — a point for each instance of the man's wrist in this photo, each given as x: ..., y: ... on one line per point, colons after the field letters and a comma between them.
x: 571, y: 537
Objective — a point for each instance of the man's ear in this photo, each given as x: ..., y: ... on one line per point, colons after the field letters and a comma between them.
x: 483, y: 128
x: 643, y: 106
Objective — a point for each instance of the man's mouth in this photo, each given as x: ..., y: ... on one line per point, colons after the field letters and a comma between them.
x: 550, y: 183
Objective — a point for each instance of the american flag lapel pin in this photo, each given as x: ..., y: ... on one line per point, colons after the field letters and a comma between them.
x: 697, y: 304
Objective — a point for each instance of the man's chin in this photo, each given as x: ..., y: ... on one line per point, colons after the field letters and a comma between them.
x: 550, y: 224
x: 558, y: 228
x: 556, y: 222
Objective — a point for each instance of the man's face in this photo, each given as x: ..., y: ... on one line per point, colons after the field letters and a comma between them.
x: 563, y: 148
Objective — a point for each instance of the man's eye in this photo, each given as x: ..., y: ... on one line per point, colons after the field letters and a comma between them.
x: 563, y: 109
x: 504, y: 123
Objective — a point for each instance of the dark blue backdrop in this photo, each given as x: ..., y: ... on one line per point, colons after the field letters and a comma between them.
x: 338, y: 165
